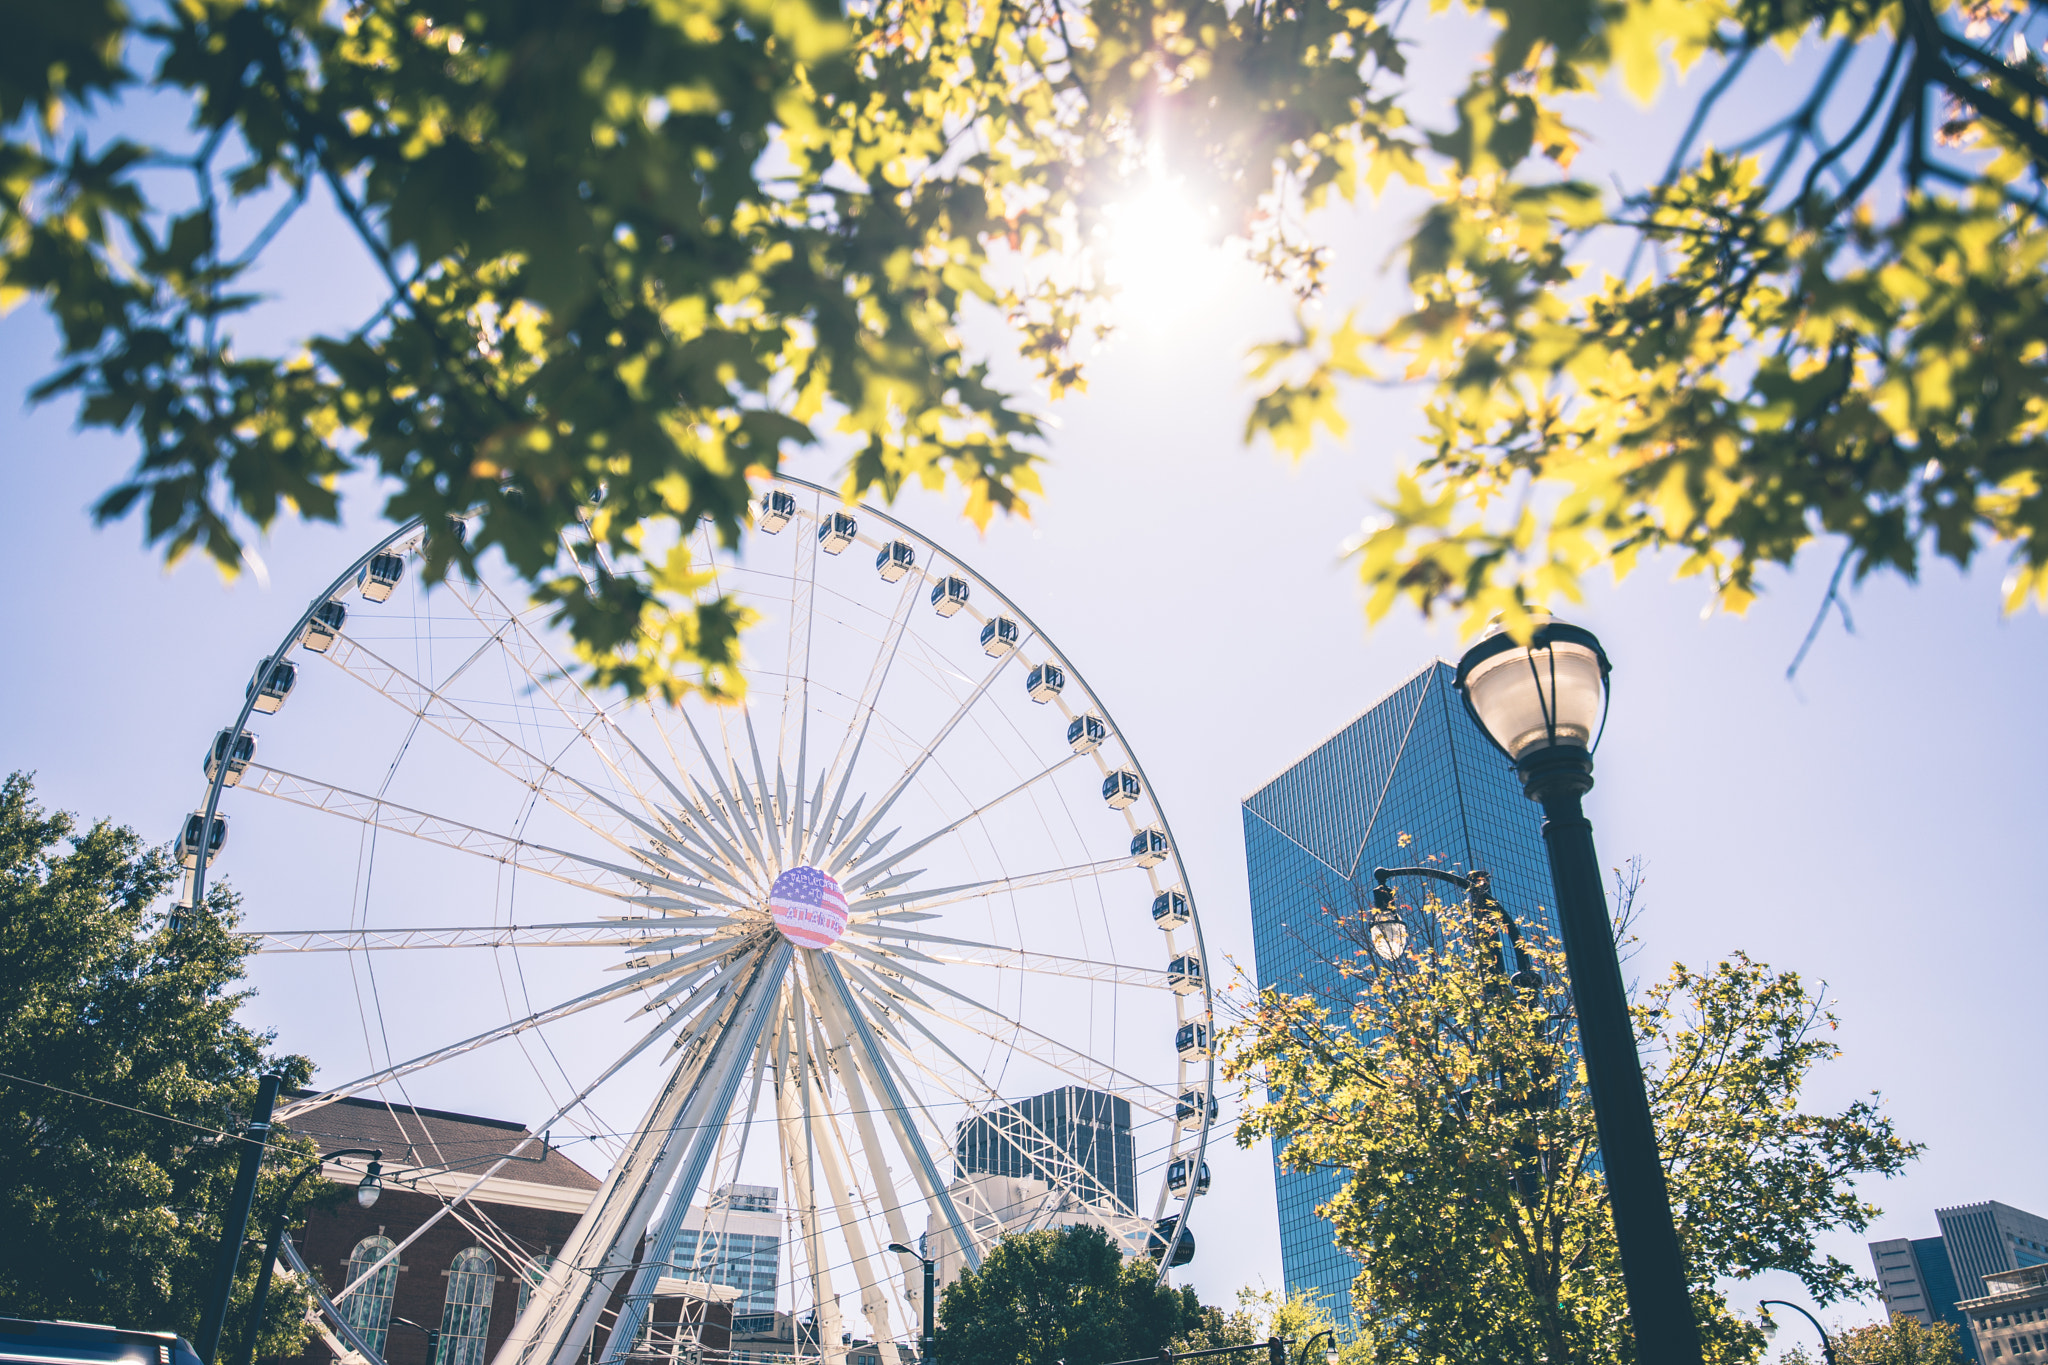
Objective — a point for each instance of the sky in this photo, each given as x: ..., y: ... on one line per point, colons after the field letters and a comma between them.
x: 1874, y: 825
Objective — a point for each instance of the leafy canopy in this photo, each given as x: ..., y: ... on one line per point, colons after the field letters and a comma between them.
x: 632, y: 250
x: 1061, y: 1294
x: 1454, y: 1100
x: 124, y: 1066
x: 1899, y: 1341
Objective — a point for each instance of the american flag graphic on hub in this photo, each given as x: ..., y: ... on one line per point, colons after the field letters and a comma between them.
x: 808, y: 907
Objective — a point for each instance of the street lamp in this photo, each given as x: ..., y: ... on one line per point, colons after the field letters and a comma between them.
x: 1389, y: 932
x: 1329, y: 1353
x: 1827, y: 1345
x: 433, y: 1336
x: 367, y: 1190
x: 1544, y: 705
x: 928, y: 1347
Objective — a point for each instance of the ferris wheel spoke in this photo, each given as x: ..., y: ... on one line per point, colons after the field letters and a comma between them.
x: 968, y: 952
x: 612, y: 933
x: 869, y: 1054
x: 843, y: 762
x: 875, y: 1154
x: 727, y: 814
x: 868, y: 907
x: 613, y: 881
x: 588, y: 1000
x: 546, y: 676
x: 768, y: 824
x: 967, y: 1013
x: 849, y: 845
x: 869, y: 869
x: 435, y: 709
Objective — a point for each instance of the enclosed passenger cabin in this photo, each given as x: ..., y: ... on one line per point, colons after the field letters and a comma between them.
x: 237, y: 751
x: 272, y: 684
x: 775, y: 510
x: 1177, y: 1176
x: 949, y: 595
x: 1188, y: 1111
x: 1170, y: 910
x: 1086, y: 733
x: 196, y: 836
x: 895, y: 560
x: 1162, y: 1234
x: 1150, y: 847
x: 999, y: 636
x: 325, y: 627
x: 1191, y: 1041
x: 1044, y: 683
x: 380, y: 576
x: 1184, y: 975
x: 1121, y: 789
x: 836, y: 532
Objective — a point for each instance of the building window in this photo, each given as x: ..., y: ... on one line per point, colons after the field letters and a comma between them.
x: 368, y: 1310
x: 466, y: 1315
x: 531, y: 1278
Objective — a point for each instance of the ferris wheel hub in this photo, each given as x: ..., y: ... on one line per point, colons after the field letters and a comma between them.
x: 808, y: 907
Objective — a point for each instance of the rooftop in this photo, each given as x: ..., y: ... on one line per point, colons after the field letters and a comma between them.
x: 435, y: 1139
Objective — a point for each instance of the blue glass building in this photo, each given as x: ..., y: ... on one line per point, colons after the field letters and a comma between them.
x: 1415, y: 764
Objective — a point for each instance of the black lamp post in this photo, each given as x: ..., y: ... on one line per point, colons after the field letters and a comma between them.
x: 929, y: 1345
x: 1544, y: 705
x: 1827, y: 1345
x: 367, y: 1190
x: 234, y: 1225
x: 433, y: 1337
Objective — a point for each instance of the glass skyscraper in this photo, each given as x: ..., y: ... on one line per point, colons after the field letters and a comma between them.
x: 1416, y: 765
x: 1091, y: 1128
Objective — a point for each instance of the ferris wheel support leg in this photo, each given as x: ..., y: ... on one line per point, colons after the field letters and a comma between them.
x: 705, y: 1122
x: 565, y: 1307
x: 898, y: 1114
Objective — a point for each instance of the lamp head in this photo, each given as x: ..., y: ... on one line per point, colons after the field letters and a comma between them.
x: 1549, y: 693
x: 1330, y: 1354
x: 371, y: 1185
x: 1389, y: 937
x: 902, y: 1249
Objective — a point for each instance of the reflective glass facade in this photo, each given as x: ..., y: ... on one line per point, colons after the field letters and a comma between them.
x: 1091, y: 1127
x: 1414, y: 764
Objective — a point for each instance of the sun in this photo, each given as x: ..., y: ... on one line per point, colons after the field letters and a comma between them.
x: 1162, y: 258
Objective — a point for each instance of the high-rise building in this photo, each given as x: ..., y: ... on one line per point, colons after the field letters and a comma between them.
x: 1926, y: 1277
x: 1411, y: 779
x: 735, y: 1242
x: 1087, y: 1129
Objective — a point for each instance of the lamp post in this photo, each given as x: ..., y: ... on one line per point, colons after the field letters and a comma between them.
x: 1827, y: 1345
x: 367, y: 1190
x: 1544, y: 705
x: 1329, y: 1354
x: 433, y: 1336
x: 928, y: 1347
x: 234, y: 1225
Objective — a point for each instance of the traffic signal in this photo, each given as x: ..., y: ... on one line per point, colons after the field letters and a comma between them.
x: 1276, y: 1351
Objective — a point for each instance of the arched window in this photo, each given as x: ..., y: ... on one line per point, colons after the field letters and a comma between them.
x: 466, y: 1315
x: 368, y: 1310
x: 530, y: 1281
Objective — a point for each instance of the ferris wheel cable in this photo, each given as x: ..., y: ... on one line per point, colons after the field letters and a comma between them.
x: 870, y: 698
x: 862, y: 876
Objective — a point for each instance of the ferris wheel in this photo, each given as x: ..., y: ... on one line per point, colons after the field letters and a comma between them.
x: 812, y: 938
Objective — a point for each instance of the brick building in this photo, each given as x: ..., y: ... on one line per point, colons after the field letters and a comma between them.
x: 468, y: 1275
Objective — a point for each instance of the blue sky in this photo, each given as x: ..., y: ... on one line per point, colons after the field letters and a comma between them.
x: 1876, y: 824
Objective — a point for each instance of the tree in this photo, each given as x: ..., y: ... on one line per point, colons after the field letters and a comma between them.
x: 632, y: 250
x: 1060, y: 1294
x: 1261, y: 1315
x: 1900, y: 1341
x: 124, y: 1067
x: 1452, y: 1096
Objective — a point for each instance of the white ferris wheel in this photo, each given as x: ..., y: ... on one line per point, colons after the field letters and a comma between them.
x: 916, y: 876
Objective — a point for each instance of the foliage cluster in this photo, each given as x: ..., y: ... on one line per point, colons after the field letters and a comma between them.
x: 1061, y: 1294
x: 1900, y: 1341
x: 124, y: 1067
x: 634, y: 249
x: 1451, y: 1096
